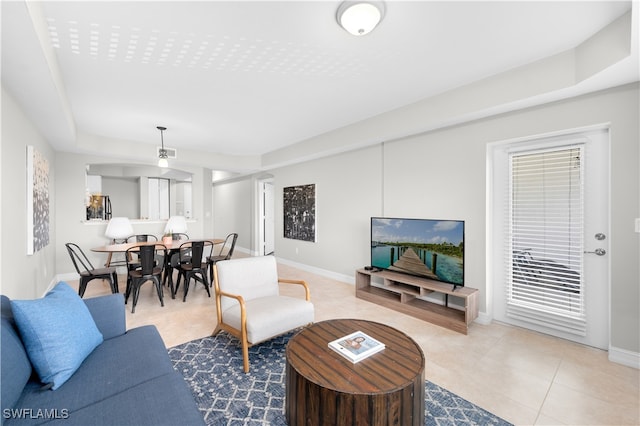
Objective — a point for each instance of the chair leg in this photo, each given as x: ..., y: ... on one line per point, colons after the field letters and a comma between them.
x: 216, y: 330
x: 175, y: 290
x: 114, y: 288
x: 161, y: 287
x: 168, y: 275
x: 245, y: 353
x: 127, y: 291
x: 156, y: 281
x: 136, y: 292
x: 205, y: 281
x: 110, y: 279
x: 187, y: 281
x: 83, y: 286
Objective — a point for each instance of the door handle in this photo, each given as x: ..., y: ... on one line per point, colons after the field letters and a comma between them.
x: 598, y: 251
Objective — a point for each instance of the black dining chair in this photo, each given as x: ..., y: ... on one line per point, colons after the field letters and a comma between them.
x: 145, y: 269
x: 140, y: 238
x: 88, y: 272
x: 172, y: 261
x: 225, y: 253
x: 192, y: 264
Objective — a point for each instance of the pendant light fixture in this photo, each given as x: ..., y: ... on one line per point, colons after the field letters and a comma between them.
x: 360, y: 17
x: 162, y: 155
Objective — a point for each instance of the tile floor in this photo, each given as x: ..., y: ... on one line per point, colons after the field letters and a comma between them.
x: 524, y: 377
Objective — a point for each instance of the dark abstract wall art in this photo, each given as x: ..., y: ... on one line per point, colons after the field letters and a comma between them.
x: 300, y: 212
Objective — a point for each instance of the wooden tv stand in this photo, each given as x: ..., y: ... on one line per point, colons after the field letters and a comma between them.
x: 401, y: 292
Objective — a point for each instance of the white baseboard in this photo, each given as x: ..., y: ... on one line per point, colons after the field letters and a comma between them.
x: 244, y: 250
x: 483, y: 318
x: 52, y: 284
x: 57, y: 278
x: 349, y: 279
x: 319, y: 271
x: 69, y: 276
x: 624, y: 357
x: 66, y: 277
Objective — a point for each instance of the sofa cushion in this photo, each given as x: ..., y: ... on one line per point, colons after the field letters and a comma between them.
x: 15, y: 366
x: 165, y: 400
x: 108, y: 313
x: 116, y: 365
x: 58, y: 333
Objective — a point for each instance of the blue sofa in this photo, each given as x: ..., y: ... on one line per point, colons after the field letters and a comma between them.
x: 127, y: 380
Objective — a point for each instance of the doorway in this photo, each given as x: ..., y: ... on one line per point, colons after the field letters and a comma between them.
x: 548, y: 224
x: 266, y: 217
x: 158, y: 199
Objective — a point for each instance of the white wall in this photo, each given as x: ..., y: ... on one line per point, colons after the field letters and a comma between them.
x: 442, y: 174
x: 233, y: 211
x: 124, y: 194
x: 23, y: 276
x: 348, y: 193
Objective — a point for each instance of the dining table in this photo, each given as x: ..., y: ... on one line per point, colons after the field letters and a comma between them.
x: 172, y: 248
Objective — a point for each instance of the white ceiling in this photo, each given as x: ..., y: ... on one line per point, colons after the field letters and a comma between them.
x: 247, y: 78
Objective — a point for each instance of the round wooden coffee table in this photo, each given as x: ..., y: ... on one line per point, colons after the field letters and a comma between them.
x: 324, y: 388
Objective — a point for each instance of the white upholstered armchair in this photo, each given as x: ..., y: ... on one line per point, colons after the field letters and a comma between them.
x: 249, y: 305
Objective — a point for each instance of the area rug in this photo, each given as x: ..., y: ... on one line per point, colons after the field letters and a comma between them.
x: 225, y: 395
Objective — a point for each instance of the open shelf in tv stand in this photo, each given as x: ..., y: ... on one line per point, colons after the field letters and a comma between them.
x: 404, y: 293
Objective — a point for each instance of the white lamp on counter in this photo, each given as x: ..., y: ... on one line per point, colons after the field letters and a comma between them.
x: 175, y: 225
x: 118, y: 229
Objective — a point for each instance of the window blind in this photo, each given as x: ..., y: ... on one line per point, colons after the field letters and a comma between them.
x: 545, y: 238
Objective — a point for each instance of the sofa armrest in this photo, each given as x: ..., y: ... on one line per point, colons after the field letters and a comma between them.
x: 108, y: 313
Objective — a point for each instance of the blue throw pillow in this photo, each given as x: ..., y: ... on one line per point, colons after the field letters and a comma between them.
x: 58, y: 333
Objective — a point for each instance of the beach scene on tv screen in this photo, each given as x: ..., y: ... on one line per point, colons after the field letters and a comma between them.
x: 428, y: 248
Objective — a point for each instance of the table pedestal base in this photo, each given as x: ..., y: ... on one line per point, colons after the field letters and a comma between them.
x: 310, y: 404
x: 323, y: 388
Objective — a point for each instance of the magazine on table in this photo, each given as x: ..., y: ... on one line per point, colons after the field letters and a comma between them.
x: 356, y: 346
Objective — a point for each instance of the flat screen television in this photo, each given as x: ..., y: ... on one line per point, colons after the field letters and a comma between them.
x: 423, y: 247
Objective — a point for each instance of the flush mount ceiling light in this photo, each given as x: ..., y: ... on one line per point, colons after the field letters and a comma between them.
x: 162, y: 155
x: 360, y: 17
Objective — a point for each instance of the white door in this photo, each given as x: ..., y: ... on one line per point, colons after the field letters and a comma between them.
x: 268, y: 218
x: 583, y: 316
x: 596, y: 239
x: 158, y: 198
